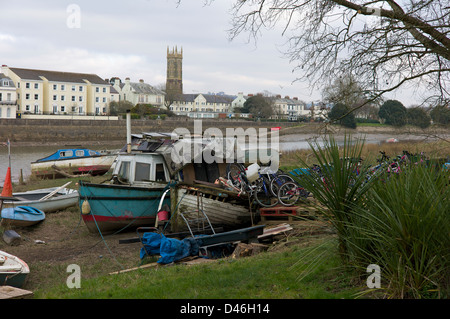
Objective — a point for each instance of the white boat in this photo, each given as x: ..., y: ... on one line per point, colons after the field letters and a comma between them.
x: 40, y: 199
x: 13, y: 270
x: 70, y: 162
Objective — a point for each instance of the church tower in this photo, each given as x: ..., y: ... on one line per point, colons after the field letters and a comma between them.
x: 174, y: 79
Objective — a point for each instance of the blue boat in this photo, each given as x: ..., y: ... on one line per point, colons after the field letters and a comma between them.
x: 21, y: 216
x: 108, y: 207
x: 72, y: 162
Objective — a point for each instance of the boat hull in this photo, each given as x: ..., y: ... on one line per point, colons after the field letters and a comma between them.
x: 21, y: 216
x: 62, y: 200
x: 109, y: 208
x: 97, y: 165
x: 223, y: 214
x: 13, y: 271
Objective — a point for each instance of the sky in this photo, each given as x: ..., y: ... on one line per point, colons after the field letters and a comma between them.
x: 130, y: 39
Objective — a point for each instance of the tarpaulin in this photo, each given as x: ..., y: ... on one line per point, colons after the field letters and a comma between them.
x: 170, y: 249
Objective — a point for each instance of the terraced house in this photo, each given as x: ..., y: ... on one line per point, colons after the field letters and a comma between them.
x: 54, y: 92
x: 202, y: 105
x: 7, y: 97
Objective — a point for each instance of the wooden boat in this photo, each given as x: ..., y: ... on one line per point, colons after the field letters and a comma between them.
x: 70, y: 162
x: 13, y: 270
x: 107, y: 208
x: 21, y: 216
x: 47, y: 199
x: 141, y: 176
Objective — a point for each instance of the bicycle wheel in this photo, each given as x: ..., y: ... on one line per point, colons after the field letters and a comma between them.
x: 289, y: 193
x: 277, y: 181
x: 262, y: 194
x: 235, y: 171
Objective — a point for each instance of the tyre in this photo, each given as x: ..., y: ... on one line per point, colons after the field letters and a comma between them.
x: 277, y: 181
x: 290, y: 193
x: 262, y: 194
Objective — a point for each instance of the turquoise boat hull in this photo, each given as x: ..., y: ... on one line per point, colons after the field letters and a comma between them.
x: 110, y: 208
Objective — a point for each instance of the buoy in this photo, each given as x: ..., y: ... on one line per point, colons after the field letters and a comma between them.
x: 85, y: 207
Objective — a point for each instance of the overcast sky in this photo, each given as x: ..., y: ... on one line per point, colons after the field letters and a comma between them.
x: 130, y: 39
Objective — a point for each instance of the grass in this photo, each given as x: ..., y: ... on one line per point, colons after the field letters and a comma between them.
x: 269, y: 275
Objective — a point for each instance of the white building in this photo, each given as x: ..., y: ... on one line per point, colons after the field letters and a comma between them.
x: 138, y: 92
x: 53, y: 92
x: 287, y: 108
x: 203, y: 105
x: 8, y: 97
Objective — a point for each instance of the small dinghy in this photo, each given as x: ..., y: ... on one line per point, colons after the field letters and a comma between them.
x: 21, y: 216
x: 13, y: 270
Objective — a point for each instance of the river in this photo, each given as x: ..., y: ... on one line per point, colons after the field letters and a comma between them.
x: 22, y: 156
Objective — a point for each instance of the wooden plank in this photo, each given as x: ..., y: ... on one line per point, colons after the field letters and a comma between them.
x: 9, y: 292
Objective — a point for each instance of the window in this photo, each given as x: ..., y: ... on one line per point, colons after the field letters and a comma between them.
x: 104, y: 100
x: 124, y: 171
x: 79, y: 153
x: 27, y: 85
x: 55, y: 87
x: 73, y: 98
x: 97, y: 99
x: 55, y: 97
x: 73, y: 88
x: 27, y: 96
x: 63, y: 87
x: 63, y: 97
x: 36, y: 96
x: 80, y: 99
x: 63, y: 108
x: 104, y: 90
x: 80, y: 88
x: 66, y: 154
x: 97, y: 89
x: 142, y: 172
x: 36, y: 85
x: 160, y: 175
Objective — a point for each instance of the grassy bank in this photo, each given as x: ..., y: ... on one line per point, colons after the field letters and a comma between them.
x: 272, y: 275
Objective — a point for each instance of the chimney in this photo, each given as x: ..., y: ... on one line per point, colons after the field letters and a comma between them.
x: 295, y: 98
x: 141, y: 81
x: 287, y: 97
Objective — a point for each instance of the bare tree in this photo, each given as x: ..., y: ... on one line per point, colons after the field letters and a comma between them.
x: 385, y: 44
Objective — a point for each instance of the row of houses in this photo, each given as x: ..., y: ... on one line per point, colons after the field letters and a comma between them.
x: 41, y: 92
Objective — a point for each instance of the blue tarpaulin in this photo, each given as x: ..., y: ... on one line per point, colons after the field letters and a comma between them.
x: 170, y: 249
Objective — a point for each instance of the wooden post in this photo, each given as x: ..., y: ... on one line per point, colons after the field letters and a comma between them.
x: 174, y: 208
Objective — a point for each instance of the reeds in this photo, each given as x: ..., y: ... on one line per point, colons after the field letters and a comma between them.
x: 400, y: 223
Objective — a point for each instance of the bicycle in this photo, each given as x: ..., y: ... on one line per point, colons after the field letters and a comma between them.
x: 259, y: 190
x: 290, y: 193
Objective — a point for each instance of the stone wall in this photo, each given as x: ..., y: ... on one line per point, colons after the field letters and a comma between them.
x: 56, y: 131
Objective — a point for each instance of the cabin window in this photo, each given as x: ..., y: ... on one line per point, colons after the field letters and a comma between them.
x: 124, y: 172
x: 160, y: 175
x: 142, y: 172
x: 66, y: 154
x: 92, y: 153
x: 79, y: 153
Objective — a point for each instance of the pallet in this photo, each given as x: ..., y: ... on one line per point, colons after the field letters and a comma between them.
x: 9, y: 292
x: 277, y: 212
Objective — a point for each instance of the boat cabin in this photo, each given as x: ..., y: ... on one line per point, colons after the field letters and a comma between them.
x: 63, y: 154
